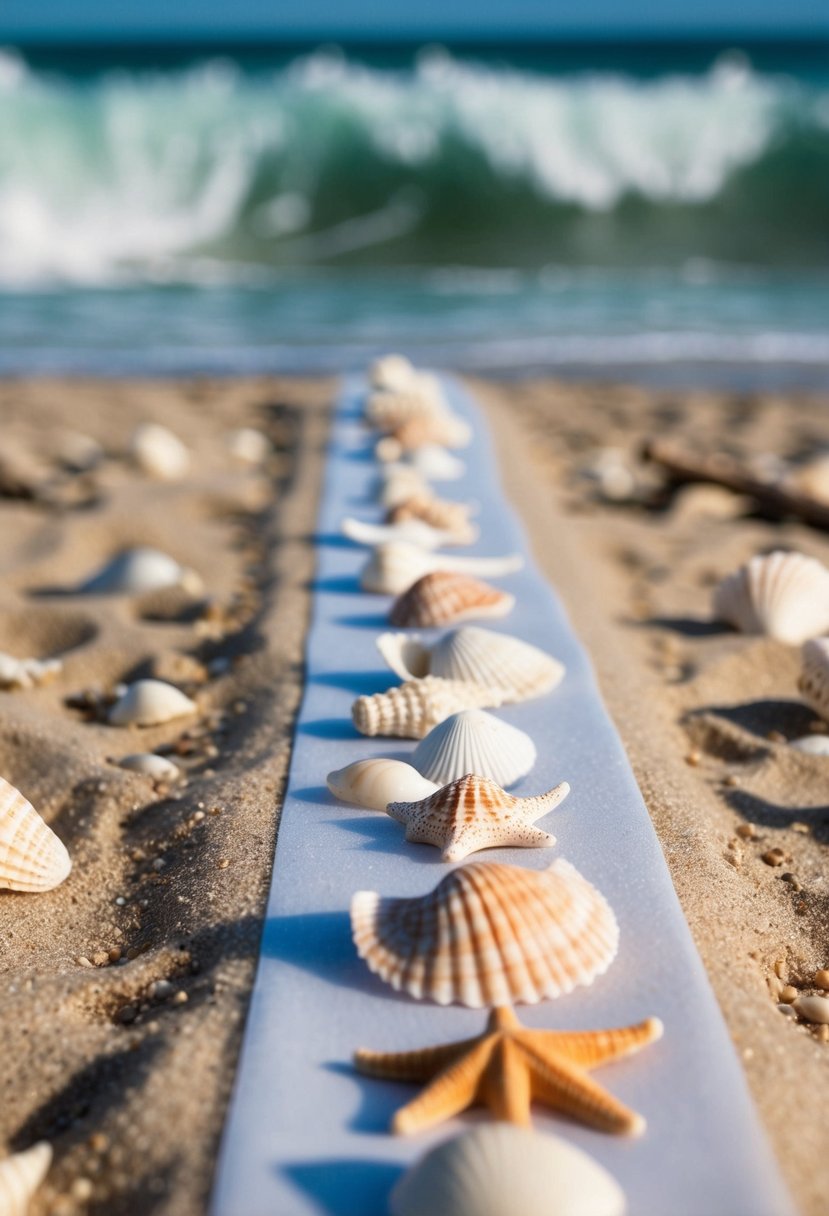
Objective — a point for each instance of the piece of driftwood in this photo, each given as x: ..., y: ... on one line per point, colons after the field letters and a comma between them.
x: 723, y: 470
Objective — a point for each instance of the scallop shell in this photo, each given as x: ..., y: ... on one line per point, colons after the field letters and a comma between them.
x: 784, y: 595
x: 399, y: 483
x: 498, y: 1169
x: 149, y: 703
x: 249, y: 446
x: 376, y: 783
x: 411, y: 710
x: 489, y: 935
x: 395, y: 565
x: 480, y: 655
x: 32, y: 858
x: 151, y: 765
x: 446, y: 516
x: 441, y: 598
x: 159, y: 452
x: 474, y: 742
x: 392, y: 372
x: 134, y: 571
x: 27, y: 673
x: 409, y: 531
x: 20, y: 1176
x: 474, y: 813
x: 814, y: 675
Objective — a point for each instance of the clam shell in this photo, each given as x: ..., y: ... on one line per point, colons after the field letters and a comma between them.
x: 814, y: 675
x: 498, y: 1169
x: 135, y: 571
x: 32, y: 858
x: 450, y: 517
x: 813, y: 1009
x: 394, y: 566
x: 409, y: 531
x: 474, y: 742
x: 27, y: 673
x: 151, y: 765
x: 159, y: 452
x: 476, y: 654
x: 376, y: 783
x: 411, y: 710
x: 20, y: 1176
x: 442, y: 597
x: 149, y: 703
x: 783, y: 595
x: 489, y: 935
x: 249, y: 446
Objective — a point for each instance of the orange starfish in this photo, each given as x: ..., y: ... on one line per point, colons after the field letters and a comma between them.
x: 508, y: 1066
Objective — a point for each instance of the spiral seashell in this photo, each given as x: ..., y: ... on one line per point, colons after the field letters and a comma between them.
x: 784, y: 595
x: 32, y: 858
x: 376, y: 783
x: 149, y: 703
x: 471, y: 741
x: 475, y: 654
x: 27, y: 673
x: 409, y: 531
x: 411, y: 710
x: 20, y: 1176
x: 814, y: 675
x: 395, y: 565
x: 489, y: 935
x: 441, y: 598
x: 159, y: 452
x: 449, y: 517
x: 498, y: 1169
x: 135, y: 571
x: 151, y: 765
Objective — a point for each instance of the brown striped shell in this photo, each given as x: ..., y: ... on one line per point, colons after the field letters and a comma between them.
x: 442, y: 598
x: 450, y: 517
x: 32, y: 858
x: 412, y: 709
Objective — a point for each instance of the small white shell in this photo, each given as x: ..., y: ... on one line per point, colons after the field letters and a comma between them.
x: 376, y: 783
x: 392, y: 372
x: 498, y: 1169
x: 249, y: 446
x: 814, y: 675
x: 159, y: 452
x: 134, y: 571
x: 394, y: 566
x: 151, y: 765
x: 20, y: 1176
x: 410, y: 531
x: 410, y: 710
x: 149, y: 703
x: 813, y: 745
x: 784, y: 595
x: 813, y: 1009
x: 27, y: 673
x: 474, y: 741
x: 32, y: 858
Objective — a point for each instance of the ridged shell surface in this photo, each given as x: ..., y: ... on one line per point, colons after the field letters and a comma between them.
x: 814, y: 675
x: 134, y: 571
x: 375, y: 783
x: 450, y: 517
x: 442, y: 597
x: 783, y: 595
x: 394, y: 566
x: 159, y: 452
x: 411, y: 710
x: 472, y: 741
x: 489, y: 935
x: 497, y: 1169
x: 20, y: 1176
x: 150, y: 703
x: 32, y: 858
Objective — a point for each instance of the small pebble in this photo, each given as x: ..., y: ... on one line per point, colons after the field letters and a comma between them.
x: 181, y: 998
x: 159, y: 864
x: 731, y: 779
x: 788, y: 994
x: 98, y: 1142
x: 788, y: 1010
x: 803, y: 828
x: 83, y: 961
x: 126, y: 1014
x: 100, y: 958
x: 693, y: 758
x: 120, y: 901
x: 792, y: 880
x: 747, y: 830
x: 82, y: 1189
x: 161, y: 989
x: 222, y: 863
x: 821, y: 979
x: 813, y: 1009
x: 773, y: 857
x: 776, y: 736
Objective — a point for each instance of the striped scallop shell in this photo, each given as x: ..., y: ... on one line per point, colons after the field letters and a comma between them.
x: 497, y: 1169
x: 472, y: 653
x: 783, y: 595
x: 376, y: 783
x: 489, y: 935
x: 394, y: 566
x: 474, y: 742
x: 814, y: 675
x: 411, y: 710
x: 149, y: 703
x: 450, y: 517
x: 32, y: 858
x: 443, y: 597
x: 20, y: 1176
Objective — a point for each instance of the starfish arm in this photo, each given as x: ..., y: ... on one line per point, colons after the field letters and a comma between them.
x: 452, y: 1091
x: 590, y: 1048
x: 565, y: 1087
x: 505, y: 1087
x: 419, y: 1065
x: 465, y: 840
x: 534, y: 808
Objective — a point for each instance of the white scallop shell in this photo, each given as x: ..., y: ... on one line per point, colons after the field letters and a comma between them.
x: 249, y: 446
x: 783, y: 595
x: 376, y: 783
x: 134, y: 571
x: 149, y: 703
x: 498, y: 1169
x: 159, y: 452
x: 409, y: 531
x: 479, y: 655
x: 474, y: 741
x: 394, y: 566
x: 20, y: 1176
x: 32, y: 858
x: 814, y: 675
x: 27, y: 673
x: 151, y: 765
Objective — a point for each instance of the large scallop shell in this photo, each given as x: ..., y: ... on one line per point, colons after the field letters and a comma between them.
x: 159, y: 452
x: 409, y: 531
x: 138, y: 570
x: 489, y: 935
x: 411, y: 710
x: 441, y: 598
x: 814, y: 675
x: 20, y: 1176
x: 376, y: 783
x: 474, y: 742
x: 394, y: 566
x: 149, y: 703
x: 498, y: 1169
x: 784, y: 595
x: 440, y: 513
x: 32, y: 858
x: 476, y: 654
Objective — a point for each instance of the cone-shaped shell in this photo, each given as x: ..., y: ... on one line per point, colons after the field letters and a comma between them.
x: 783, y: 595
x: 410, y: 711
x: 450, y: 517
x: 376, y: 783
x: 480, y: 655
x: 32, y: 858
x: 442, y: 598
x: 489, y: 935
x: 137, y: 570
x: 409, y: 531
x: 20, y: 1176
x: 814, y: 675
x: 474, y: 742
x: 159, y: 452
x: 498, y: 1169
x: 149, y: 703
x: 395, y: 565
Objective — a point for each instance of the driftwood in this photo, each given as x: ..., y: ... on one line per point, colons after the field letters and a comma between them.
x: 722, y: 470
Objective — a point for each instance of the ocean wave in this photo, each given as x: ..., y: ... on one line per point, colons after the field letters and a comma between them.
x: 212, y: 173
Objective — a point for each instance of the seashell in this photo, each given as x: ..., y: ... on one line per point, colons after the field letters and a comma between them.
x: 392, y: 372
x: 248, y: 446
x: 476, y: 654
x: 409, y: 531
x: 411, y: 710
x: 399, y: 482
x: 387, y: 409
x: 149, y: 703
x: 446, y: 516
x: 474, y: 813
x: 489, y: 935
x: 440, y: 428
x: 783, y: 595
x: 435, y: 463
x: 27, y: 673
x: 813, y: 682
x: 20, y: 1176
x: 474, y: 742
x: 134, y: 571
x: 813, y: 745
x: 376, y: 783
x: 498, y: 1169
x: 32, y: 858
x: 813, y: 1009
x: 79, y: 452
x: 151, y: 765
x: 442, y: 597
x: 394, y: 566
x: 159, y: 452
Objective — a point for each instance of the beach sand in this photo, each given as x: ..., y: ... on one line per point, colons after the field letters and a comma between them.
x: 130, y: 1081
